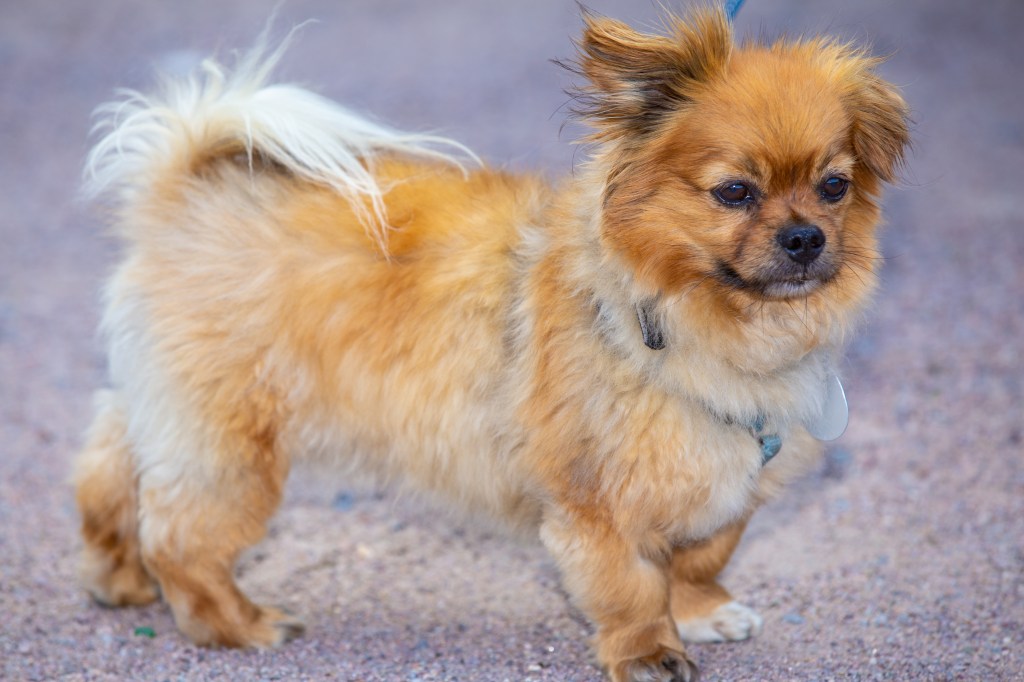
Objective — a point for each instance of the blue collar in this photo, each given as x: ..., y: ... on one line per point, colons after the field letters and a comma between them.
x: 654, y: 339
x: 770, y: 443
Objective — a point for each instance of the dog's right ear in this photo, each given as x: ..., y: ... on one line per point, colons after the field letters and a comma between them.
x: 636, y: 79
x: 881, y: 126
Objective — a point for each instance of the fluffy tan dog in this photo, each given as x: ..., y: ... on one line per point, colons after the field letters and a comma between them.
x: 628, y: 362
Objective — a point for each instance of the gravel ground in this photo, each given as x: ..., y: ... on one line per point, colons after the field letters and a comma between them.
x: 899, y: 559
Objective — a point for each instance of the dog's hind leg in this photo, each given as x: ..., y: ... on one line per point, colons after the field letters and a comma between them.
x: 202, y: 505
x: 703, y: 610
x: 107, y: 495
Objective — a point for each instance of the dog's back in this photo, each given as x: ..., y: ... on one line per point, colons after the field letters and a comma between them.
x: 295, y: 280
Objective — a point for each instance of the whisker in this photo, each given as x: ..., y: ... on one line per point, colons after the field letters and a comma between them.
x: 855, y: 273
x: 694, y: 287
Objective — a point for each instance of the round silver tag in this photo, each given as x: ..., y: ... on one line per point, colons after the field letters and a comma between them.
x: 836, y: 415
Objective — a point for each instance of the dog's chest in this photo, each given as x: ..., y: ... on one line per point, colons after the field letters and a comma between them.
x: 720, y: 468
x: 689, y: 472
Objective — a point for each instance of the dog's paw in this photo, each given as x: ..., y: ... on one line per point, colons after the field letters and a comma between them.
x: 286, y: 627
x: 730, y: 622
x: 665, y: 665
x: 269, y: 629
x: 272, y: 629
x: 114, y: 595
x: 111, y: 584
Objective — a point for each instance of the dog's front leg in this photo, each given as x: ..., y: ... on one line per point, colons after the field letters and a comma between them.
x: 625, y: 591
x: 703, y: 610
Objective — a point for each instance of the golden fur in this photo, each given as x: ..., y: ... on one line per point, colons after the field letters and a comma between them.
x: 298, y: 283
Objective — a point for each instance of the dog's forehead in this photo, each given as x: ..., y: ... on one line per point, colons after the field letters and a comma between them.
x: 774, y: 109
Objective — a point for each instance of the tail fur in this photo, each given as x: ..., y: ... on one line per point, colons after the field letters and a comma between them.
x: 146, y: 138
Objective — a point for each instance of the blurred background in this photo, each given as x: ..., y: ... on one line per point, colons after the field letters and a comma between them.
x: 899, y: 558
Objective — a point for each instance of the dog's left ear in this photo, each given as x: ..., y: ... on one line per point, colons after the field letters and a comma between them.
x: 636, y: 78
x: 881, y: 129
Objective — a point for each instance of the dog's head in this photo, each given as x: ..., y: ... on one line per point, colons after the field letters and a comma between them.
x: 753, y: 169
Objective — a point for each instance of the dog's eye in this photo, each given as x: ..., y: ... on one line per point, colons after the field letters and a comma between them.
x: 834, y: 188
x: 734, y: 194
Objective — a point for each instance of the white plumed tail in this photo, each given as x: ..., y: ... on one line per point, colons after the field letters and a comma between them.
x: 147, y: 138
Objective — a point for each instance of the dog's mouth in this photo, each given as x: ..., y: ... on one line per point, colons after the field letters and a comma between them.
x: 775, y: 283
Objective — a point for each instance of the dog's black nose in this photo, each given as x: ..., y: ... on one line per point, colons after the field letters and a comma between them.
x: 803, y: 243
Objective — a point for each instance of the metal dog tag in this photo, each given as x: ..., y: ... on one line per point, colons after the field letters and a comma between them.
x: 836, y: 415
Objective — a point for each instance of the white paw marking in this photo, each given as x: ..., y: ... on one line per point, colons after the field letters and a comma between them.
x: 730, y: 622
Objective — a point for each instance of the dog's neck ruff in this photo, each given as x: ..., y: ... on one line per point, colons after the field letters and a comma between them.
x: 829, y: 425
x: 654, y: 339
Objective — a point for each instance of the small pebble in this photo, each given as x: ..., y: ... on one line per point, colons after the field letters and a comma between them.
x: 344, y: 501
